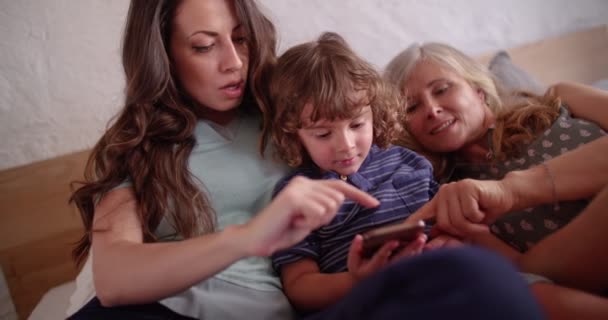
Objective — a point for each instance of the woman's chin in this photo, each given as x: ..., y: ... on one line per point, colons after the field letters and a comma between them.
x: 445, y: 147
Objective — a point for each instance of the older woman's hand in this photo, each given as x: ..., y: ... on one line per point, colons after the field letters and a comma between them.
x: 444, y: 241
x: 466, y: 207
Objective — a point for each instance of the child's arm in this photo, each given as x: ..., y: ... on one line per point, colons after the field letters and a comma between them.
x: 309, y: 290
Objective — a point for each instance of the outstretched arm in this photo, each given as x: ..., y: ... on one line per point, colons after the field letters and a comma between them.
x: 464, y: 207
x: 578, y: 174
x: 151, y: 271
x: 127, y: 271
x: 584, y: 101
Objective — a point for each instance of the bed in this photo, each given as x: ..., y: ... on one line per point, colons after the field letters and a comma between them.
x: 39, y: 226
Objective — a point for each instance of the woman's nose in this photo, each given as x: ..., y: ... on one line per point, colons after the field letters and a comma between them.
x: 231, y: 61
x: 432, y: 109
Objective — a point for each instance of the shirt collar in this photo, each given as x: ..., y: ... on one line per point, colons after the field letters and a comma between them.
x: 356, y: 179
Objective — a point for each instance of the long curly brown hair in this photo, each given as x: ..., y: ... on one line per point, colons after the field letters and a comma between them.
x: 150, y: 140
x: 324, y: 73
x: 520, y: 116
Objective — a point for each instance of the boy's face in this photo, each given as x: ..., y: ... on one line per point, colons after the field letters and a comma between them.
x: 340, y: 146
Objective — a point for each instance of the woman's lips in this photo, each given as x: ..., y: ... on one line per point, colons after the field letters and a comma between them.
x: 442, y: 127
x: 233, y: 90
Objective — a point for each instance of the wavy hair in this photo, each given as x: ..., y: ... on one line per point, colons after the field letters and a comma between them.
x: 519, y: 121
x: 150, y: 141
x: 325, y: 73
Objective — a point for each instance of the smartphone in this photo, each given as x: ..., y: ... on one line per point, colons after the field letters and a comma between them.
x: 402, y: 232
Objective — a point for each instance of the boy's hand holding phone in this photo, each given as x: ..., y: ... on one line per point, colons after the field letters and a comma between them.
x: 361, y: 267
x: 378, y: 247
x: 404, y: 233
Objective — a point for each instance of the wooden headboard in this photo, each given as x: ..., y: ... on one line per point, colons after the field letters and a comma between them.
x: 38, y: 226
x: 580, y: 57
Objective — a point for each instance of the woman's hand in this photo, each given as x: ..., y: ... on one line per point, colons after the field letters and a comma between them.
x: 443, y: 241
x: 302, y: 206
x: 466, y: 207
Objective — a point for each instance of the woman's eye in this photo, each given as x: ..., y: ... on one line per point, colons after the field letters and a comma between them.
x: 411, y: 107
x: 442, y: 89
x: 202, y: 49
x: 239, y: 40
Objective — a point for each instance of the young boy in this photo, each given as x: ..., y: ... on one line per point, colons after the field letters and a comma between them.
x: 334, y: 119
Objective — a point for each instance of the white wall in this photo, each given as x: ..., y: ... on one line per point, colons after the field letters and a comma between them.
x: 61, y: 79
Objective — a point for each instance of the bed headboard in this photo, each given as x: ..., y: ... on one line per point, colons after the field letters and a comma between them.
x: 38, y: 226
x: 580, y: 57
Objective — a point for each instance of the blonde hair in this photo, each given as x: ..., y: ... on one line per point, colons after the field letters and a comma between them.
x: 325, y: 73
x: 517, y: 122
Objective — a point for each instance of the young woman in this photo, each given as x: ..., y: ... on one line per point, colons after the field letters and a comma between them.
x: 176, y: 203
x: 455, y: 115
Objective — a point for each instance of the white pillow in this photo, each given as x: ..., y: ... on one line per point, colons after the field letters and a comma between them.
x: 54, y: 303
x: 601, y: 84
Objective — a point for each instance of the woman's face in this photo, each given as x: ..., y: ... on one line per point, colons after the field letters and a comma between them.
x: 445, y: 113
x: 210, y: 55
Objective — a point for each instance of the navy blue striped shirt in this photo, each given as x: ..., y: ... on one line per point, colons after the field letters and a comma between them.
x: 399, y: 178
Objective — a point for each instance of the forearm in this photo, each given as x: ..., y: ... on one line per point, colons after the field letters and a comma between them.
x: 315, y: 291
x: 131, y: 273
x: 489, y: 241
x: 578, y: 174
x: 584, y: 101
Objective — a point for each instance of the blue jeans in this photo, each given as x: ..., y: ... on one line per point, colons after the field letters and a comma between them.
x: 93, y: 310
x: 462, y: 283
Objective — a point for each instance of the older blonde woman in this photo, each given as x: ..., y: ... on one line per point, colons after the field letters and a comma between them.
x: 537, y: 161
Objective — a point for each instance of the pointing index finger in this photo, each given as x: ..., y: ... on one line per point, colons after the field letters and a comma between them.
x: 426, y: 213
x: 355, y: 194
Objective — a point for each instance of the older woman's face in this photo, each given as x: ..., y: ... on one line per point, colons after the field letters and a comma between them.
x: 445, y: 113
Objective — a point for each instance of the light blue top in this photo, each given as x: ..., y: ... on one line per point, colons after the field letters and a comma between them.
x: 239, y: 183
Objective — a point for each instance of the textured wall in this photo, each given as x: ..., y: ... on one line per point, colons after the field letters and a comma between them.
x: 60, y: 73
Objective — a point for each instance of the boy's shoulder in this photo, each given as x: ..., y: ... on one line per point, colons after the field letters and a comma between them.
x: 393, y: 150
x: 297, y: 172
x: 398, y: 156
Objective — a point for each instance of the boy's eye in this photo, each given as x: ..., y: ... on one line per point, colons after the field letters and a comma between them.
x: 322, y: 135
x: 356, y: 125
x: 203, y: 49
